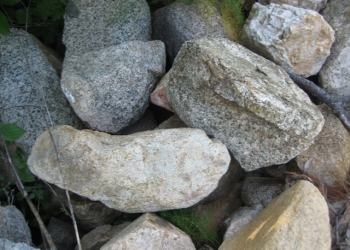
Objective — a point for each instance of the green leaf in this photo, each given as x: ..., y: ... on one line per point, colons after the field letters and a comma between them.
x: 9, y: 2
x: 25, y: 175
x: 32, y: 196
x: 21, y: 16
x: 4, y: 24
x: 11, y: 132
x: 2, y: 177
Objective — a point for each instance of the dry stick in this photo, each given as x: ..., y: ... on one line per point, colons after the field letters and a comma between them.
x: 336, y: 103
x: 20, y: 186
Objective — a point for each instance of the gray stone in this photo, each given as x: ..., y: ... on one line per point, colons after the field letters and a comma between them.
x: 93, y: 25
x: 172, y: 122
x: 95, y: 239
x: 62, y: 234
x: 334, y: 76
x: 297, y: 219
x: 261, y: 190
x: 240, y: 218
x: 242, y: 99
x: 29, y: 85
x: 109, y: 88
x: 150, y: 232
x: 147, y: 122
x: 148, y: 171
x: 13, y: 225
x: 9, y: 245
x: 181, y: 21
x: 294, y: 38
x: 315, y: 5
x: 329, y: 153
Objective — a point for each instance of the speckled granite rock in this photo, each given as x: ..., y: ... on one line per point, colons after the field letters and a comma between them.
x: 244, y: 100
x: 92, y: 25
x: 180, y: 22
x: 334, y: 76
x: 6, y: 244
x: 294, y: 38
x: 27, y: 82
x: 109, y: 89
x: 148, y: 171
x: 315, y: 5
x: 150, y: 232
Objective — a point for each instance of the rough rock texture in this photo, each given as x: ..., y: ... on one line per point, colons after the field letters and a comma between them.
x: 26, y: 80
x: 62, y: 234
x: 261, y: 190
x: 334, y: 76
x: 148, y: 171
x: 240, y: 218
x: 147, y: 122
x: 159, y: 97
x: 92, y: 25
x: 242, y: 99
x: 172, y: 122
x: 6, y: 244
x: 95, y: 239
x: 109, y: 89
x: 150, y: 232
x: 330, y: 151
x: 315, y: 5
x: 294, y: 38
x: 297, y: 219
x: 180, y: 22
x: 13, y: 225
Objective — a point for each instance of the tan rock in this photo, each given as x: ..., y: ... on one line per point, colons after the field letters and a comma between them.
x: 330, y: 151
x: 297, y: 219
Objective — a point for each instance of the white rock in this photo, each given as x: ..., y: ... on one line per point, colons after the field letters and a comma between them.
x: 315, y: 5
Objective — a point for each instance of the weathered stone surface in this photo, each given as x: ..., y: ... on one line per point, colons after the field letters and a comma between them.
x: 150, y: 232
x: 109, y: 89
x: 147, y: 171
x: 330, y: 151
x: 95, y: 239
x: 6, y: 244
x: 159, y: 97
x: 62, y: 234
x: 181, y: 21
x: 92, y: 25
x: 244, y: 100
x: 261, y: 190
x: 13, y: 225
x: 294, y: 38
x: 27, y: 83
x: 334, y: 76
x: 297, y: 219
x: 240, y: 218
x: 315, y: 5
x: 172, y: 122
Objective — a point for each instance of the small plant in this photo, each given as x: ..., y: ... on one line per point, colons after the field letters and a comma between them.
x: 190, y: 223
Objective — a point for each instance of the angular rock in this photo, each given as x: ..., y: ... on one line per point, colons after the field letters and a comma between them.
x: 150, y: 232
x: 242, y: 99
x: 13, y: 225
x: 334, y: 76
x: 330, y: 151
x: 28, y: 82
x: 297, y: 219
x: 181, y: 21
x: 240, y: 218
x: 147, y: 171
x: 109, y: 88
x: 294, y: 38
x: 315, y: 5
x: 94, y: 25
x: 6, y: 244
x: 261, y: 190
x: 95, y: 239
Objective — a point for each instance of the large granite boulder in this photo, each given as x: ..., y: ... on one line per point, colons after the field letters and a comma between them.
x: 330, y: 151
x: 183, y: 21
x: 334, y: 76
x: 294, y: 38
x: 6, y: 244
x: 109, y: 88
x: 147, y: 171
x: 315, y: 5
x: 92, y: 25
x: 29, y: 87
x: 297, y: 219
x: 150, y: 232
x: 242, y: 99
